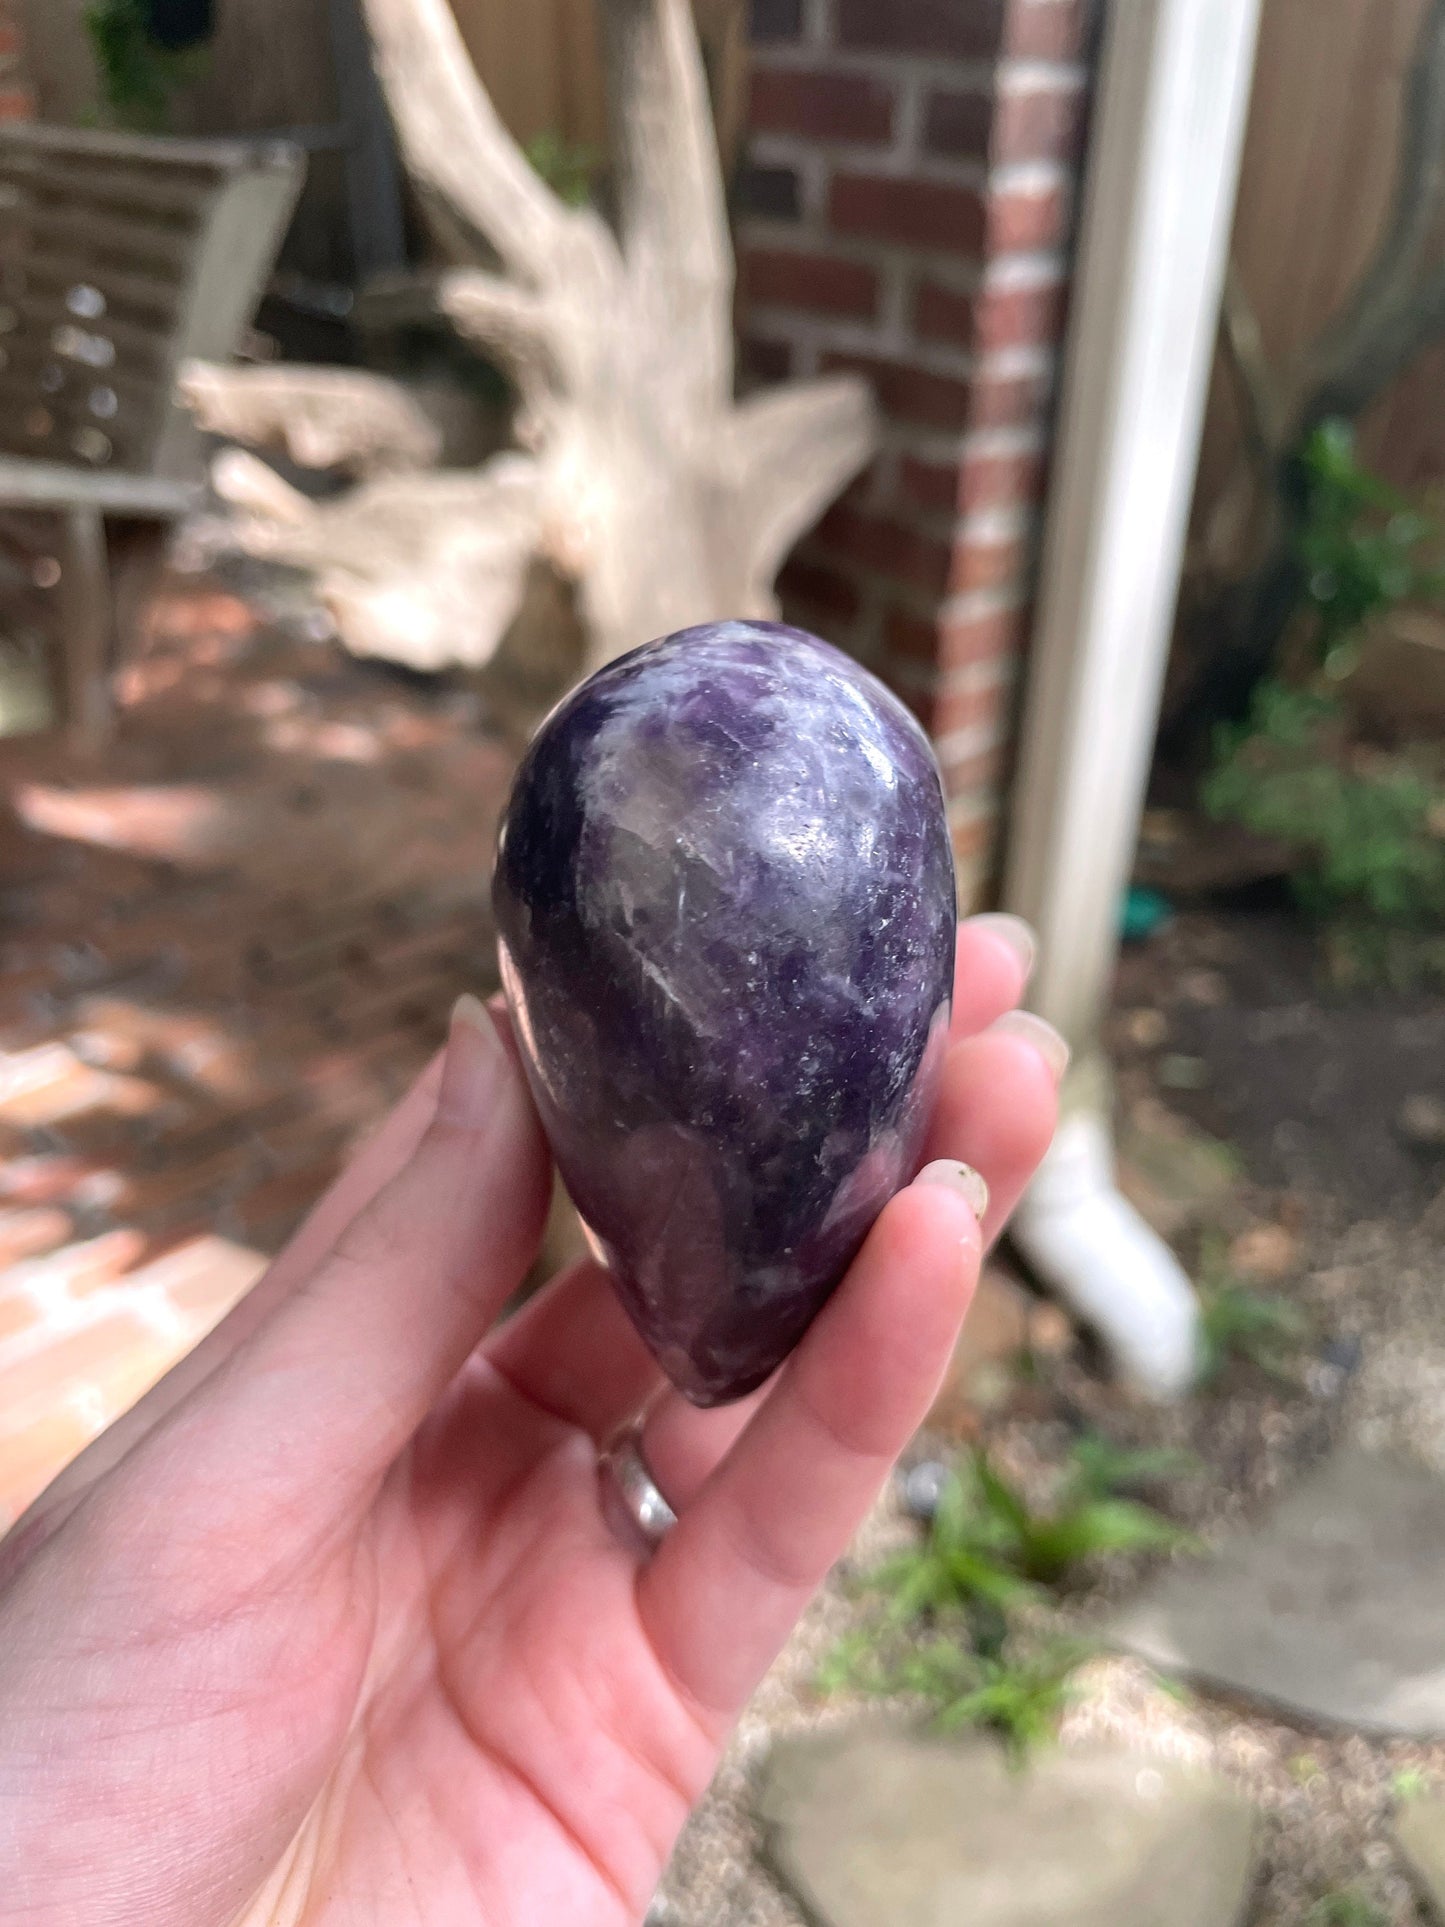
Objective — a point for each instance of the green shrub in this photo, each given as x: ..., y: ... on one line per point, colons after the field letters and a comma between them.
x: 1368, y: 827
x: 1364, y: 547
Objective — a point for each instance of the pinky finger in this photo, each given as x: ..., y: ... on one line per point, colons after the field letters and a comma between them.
x: 728, y: 1583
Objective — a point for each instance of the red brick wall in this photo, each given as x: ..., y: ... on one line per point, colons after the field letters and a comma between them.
x: 17, y: 96
x: 905, y: 211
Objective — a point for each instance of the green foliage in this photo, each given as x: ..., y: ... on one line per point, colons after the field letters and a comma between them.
x: 1101, y: 1467
x: 960, y: 1569
x: 1235, y: 1322
x: 568, y: 168
x: 1369, y: 827
x: 851, y: 1662
x: 1346, y: 1907
x: 988, y: 1551
x: 1019, y: 1696
x: 1086, y: 1518
x: 987, y: 1562
x: 1410, y: 1783
x: 1022, y: 1700
x: 1364, y: 547
x: 138, y: 76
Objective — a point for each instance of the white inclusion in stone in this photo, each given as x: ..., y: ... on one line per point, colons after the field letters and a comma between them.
x: 879, y: 762
x: 795, y: 835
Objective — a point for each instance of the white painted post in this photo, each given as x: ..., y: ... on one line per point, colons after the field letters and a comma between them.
x: 1168, y: 132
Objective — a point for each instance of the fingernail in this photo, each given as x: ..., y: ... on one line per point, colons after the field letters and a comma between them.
x: 474, y: 1052
x: 1018, y: 935
x: 961, y: 1178
x: 471, y: 1010
x: 1042, y: 1035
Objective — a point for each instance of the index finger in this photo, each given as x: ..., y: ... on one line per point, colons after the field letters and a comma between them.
x: 992, y: 965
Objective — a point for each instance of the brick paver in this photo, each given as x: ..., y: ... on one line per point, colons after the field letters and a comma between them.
x: 225, y: 949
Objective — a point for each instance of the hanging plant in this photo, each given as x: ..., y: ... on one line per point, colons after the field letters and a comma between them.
x: 145, y: 50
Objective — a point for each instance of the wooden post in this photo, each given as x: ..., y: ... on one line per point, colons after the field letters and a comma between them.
x: 373, y: 175
x: 86, y: 612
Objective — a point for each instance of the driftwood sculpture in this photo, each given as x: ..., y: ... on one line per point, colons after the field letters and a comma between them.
x: 318, y: 417
x: 637, y: 476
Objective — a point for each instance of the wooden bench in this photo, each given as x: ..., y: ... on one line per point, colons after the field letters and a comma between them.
x: 121, y: 258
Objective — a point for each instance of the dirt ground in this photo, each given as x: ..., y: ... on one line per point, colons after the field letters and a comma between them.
x: 1223, y: 1023
x: 1310, y: 1084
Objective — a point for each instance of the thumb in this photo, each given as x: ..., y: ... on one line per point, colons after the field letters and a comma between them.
x: 336, y: 1382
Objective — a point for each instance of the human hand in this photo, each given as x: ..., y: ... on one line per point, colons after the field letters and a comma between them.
x: 333, y: 1627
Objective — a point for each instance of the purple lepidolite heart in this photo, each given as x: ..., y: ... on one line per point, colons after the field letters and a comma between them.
x: 725, y: 901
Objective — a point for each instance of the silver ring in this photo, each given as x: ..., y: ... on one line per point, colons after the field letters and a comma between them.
x: 624, y: 1472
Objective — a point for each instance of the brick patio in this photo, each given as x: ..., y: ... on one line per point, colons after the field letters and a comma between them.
x: 224, y: 951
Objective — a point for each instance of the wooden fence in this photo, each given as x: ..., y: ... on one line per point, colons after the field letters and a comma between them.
x: 271, y: 65
x: 541, y: 63
x: 1319, y: 168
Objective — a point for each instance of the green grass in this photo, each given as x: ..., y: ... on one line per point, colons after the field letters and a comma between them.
x: 988, y: 1551
x: 1238, y: 1323
x: 1019, y: 1695
x: 961, y: 1619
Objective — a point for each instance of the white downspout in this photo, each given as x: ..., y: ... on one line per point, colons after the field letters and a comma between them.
x: 1168, y: 131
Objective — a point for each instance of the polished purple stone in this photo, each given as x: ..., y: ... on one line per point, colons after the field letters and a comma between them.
x: 725, y: 901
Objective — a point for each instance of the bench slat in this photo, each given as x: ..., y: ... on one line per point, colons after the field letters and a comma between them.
x: 145, y: 194
x: 50, y: 485
x: 154, y: 294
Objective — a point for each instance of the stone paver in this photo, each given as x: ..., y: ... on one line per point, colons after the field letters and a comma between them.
x: 1330, y: 1607
x: 883, y: 1827
x: 1420, y: 1832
